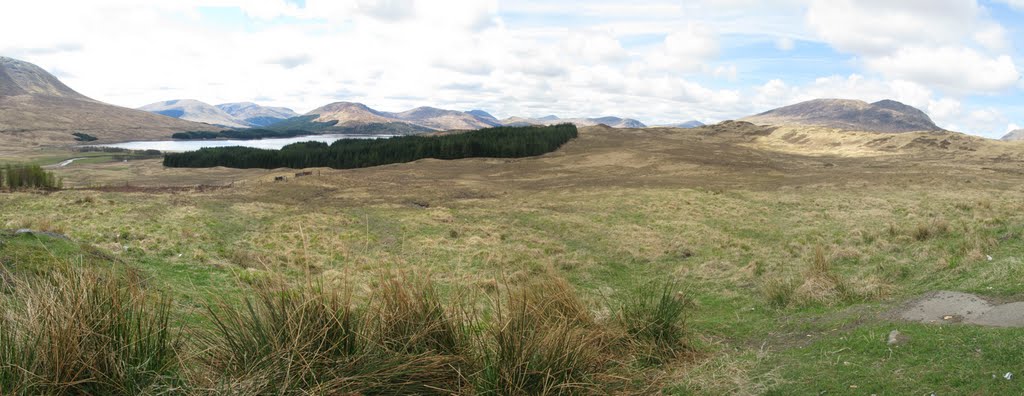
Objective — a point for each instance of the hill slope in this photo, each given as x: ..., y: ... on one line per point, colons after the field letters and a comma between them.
x: 883, y: 116
x: 36, y: 109
x: 255, y: 115
x: 194, y: 110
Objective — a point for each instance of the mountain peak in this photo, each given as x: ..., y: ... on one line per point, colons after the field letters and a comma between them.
x: 1014, y: 136
x: 480, y: 113
x: 882, y: 116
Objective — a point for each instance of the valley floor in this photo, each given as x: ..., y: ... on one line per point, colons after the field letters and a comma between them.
x: 795, y: 254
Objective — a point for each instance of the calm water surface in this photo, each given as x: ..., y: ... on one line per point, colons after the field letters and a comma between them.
x: 272, y: 144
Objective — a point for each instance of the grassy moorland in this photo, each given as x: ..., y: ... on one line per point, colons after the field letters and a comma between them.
x: 710, y: 261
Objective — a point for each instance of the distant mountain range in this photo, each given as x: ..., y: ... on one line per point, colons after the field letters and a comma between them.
x: 231, y: 115
x: 883, y: 116
x: 349, y: 114
x: 614, y: 122
x: 37, y: 108
x: 256, y: 115
x: 687, y: 125
x: 1013, y: 136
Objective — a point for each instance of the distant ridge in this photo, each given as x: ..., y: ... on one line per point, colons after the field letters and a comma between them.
x: 687, y: 124
x: 485, y: 116
x: 231, y: 115
x: 194, y: 110
x: 614, y: 122
x: 348, y: 114
x: 256, y: 115
x: 882, y: 116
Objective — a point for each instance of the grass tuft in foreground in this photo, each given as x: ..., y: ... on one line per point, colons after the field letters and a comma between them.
x: 655, y: 320
x: 105, y: 330
x: 83, y: 332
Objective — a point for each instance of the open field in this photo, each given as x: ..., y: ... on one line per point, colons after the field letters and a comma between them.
x: 795, y: 245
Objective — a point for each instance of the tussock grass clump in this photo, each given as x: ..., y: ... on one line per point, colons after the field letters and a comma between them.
x: 821, y: 285
x: 932, y: 229
x: 306, y: 339
x: 818, y: 284
x: 778, y: 291
x: 542, y: 340
x: 96, y: 331
x: 411, y: 317
x: 654, y: 319
x: 82, y: 332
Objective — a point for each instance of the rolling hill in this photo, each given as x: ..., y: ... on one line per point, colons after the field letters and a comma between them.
x: 884, y: 116
x: 36, y: 109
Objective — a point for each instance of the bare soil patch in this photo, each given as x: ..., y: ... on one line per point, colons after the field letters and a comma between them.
x: 957, y: 307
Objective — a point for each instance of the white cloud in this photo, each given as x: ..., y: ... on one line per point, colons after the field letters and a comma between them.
x: 1012, y: 127
x: 291, y: 61
x: 944, y: 109
x: 725, y: 72
x: 962, y: 69
x: 595, y: 47
x: 784, y: 44
x: 697, y: 41
x: 687, y: 49
x: 1018, y: 4
x: 992, y: 37
x: 873, y: 27
x: 950, y: 44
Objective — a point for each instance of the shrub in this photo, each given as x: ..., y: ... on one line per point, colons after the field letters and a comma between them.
x: 84, y: 137
x: 17, y: 177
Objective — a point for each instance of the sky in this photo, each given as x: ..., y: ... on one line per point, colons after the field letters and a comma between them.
x: 656, y: 61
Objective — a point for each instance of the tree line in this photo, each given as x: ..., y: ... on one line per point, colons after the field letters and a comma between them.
x: 17, y: 177
x: 498, y: 142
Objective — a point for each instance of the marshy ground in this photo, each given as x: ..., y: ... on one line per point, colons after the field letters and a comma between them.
x: 795, y: 245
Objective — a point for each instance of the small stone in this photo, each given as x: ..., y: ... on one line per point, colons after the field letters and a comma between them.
x: 1008, y: 376
x: 896, y: 338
